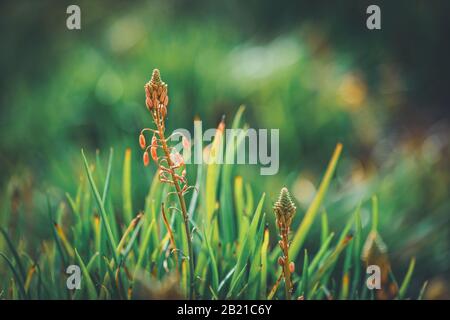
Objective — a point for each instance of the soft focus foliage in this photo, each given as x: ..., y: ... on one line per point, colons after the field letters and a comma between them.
x: 311, y: 70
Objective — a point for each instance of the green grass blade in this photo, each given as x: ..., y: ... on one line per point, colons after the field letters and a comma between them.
x: 14, y: 253
x: 305, y: 277
x: 213, y: 264
x: 324, y: 229
x: 144, y: 247
x: 264, y: 248
x: 422, y: 290
x: 407, y: 279
x: 318, y: 257
x: 375, y: 213
x: 16, y: 276
x: 108, y: 176
x: 227, y: 277
x: 126, y: 187
x: 92, y: 293
x: 311, y: 213
x: 248, y: 245
x: 105, y: 222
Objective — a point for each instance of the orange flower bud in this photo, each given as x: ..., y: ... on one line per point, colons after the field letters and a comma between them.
x: 163, y: 95
x: 154, y: 154
x: 148, y: 91
x: 291, y: 266
x: 142, y: 142
x: 145, y: 158
x: 149, y: 103
x: 166, y: 101
x: 163, y: 111
x: 154, y: 142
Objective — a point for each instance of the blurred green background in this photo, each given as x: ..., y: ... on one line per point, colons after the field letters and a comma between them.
x: 311, y: 69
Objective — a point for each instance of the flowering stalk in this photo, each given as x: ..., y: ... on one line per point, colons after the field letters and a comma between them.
x: 171, y: 166
x: 284, y: 210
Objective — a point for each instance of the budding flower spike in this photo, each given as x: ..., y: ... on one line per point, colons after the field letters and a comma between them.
x: 170, y: 163
x: 284, y: 209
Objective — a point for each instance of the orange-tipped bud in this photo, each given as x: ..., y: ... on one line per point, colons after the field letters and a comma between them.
x: 292, y: 267
x: 142, y: 142
x: 154, y: 142
x: 149, y: 103
x: 154, y: 154
x: 145, y: 158
x: 166, y: 101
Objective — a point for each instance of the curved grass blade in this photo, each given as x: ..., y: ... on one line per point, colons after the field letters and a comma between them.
x: 14, y: 253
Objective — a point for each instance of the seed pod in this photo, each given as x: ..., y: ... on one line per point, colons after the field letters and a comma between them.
x: 154, y: 154
x: 142, y: 142
x: 145, y: 158
x: 291, y: 266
